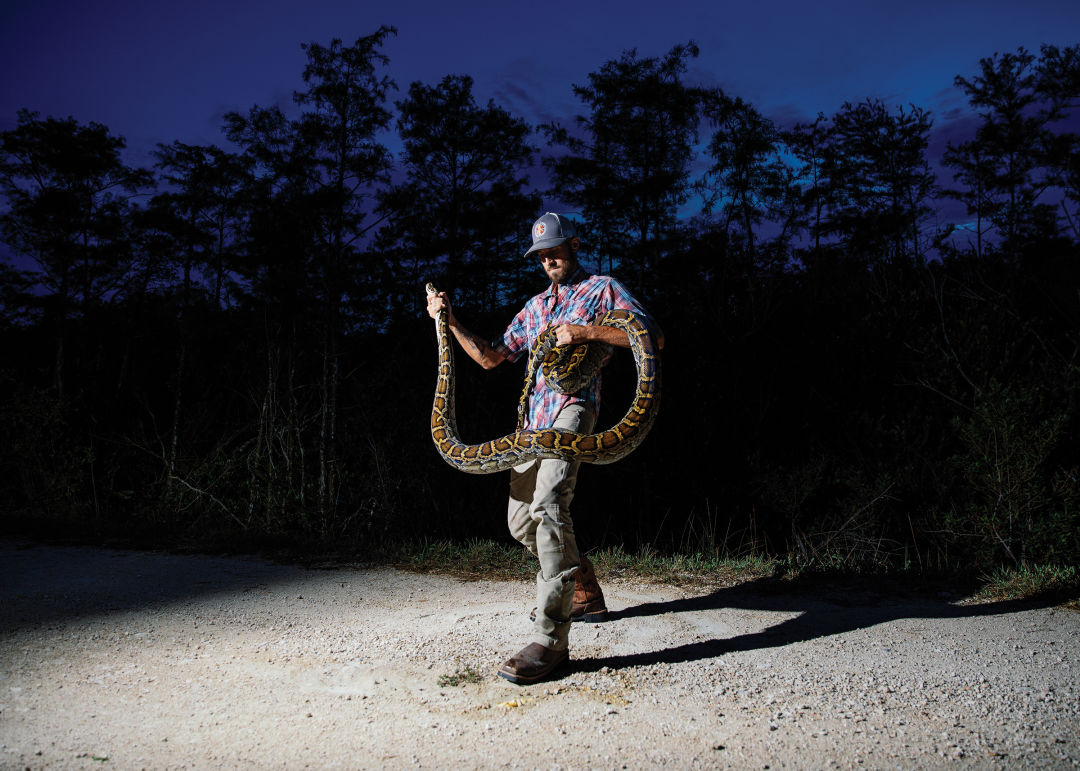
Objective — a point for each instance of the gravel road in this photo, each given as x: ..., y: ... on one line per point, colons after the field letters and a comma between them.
x: 128, y: 660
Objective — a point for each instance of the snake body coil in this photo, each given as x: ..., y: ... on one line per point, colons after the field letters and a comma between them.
x: 569, y: 376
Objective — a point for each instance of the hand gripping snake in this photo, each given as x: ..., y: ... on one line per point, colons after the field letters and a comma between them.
x: 567, y: 369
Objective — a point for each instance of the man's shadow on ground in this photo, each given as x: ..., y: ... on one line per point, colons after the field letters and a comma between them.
x: 825, y: 607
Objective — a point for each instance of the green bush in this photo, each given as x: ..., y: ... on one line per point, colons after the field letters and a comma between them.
x: 46, y: 470
x: 1017, y: 504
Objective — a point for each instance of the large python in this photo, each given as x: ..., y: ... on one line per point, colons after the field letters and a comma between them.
x: 568, y: 369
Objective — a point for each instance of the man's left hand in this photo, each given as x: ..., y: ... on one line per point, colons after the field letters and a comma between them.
x: 570, y: 334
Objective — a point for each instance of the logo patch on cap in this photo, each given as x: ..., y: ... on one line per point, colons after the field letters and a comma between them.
x: 539, y: 230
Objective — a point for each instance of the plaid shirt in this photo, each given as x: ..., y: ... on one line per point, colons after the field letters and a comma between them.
x: 583, y: 300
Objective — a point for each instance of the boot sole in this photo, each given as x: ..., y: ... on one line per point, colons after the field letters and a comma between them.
x: 592, y: 618
x: 598, y: 617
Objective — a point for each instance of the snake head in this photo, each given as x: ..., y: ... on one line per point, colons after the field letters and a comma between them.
x: 430, y: 289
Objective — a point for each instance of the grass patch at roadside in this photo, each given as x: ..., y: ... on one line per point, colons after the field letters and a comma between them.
x: 712, y: 570
x: 475, y: 559
x: 488, y: 560
x: 1028, y: 581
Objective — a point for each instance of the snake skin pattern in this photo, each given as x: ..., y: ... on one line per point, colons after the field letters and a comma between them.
x: 568, y: 371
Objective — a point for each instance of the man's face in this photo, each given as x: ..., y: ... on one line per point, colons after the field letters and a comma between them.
x: 558, y: 262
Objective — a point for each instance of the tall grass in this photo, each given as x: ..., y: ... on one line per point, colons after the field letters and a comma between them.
x: 480, y: 559
x: 1027, y: 581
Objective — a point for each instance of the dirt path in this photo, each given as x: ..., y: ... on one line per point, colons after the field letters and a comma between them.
x: 128, y: 660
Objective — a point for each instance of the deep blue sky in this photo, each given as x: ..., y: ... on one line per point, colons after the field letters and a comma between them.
x: 154, y: 71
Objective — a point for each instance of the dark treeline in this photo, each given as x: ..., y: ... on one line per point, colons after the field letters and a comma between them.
x: 231, y: 346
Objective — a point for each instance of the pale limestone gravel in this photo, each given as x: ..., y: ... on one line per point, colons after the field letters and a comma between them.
x: 127, y: 660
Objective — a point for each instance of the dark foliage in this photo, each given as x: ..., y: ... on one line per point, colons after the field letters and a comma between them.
x: 242, y: 357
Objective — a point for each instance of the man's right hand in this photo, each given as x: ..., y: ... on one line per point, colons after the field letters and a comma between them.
x: 437, y: 302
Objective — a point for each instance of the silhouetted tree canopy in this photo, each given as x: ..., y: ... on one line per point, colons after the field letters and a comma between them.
x: 626, y: 162
x: 233, y: 347
x: 456, y: 216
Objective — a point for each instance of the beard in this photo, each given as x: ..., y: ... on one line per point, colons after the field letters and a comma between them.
x: 560, y: 274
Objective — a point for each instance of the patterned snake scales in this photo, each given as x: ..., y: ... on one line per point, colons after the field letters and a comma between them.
x: 567, y: 369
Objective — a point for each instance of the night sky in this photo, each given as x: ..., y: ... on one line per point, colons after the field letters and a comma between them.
x: 154, y: 71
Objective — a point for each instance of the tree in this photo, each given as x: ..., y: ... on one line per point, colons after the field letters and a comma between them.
x: 811, y: 145
x: 1059, y: 73
x: 976, y: 173
x: 69, y: 197
x: 626, y: 163
x: 882, y: 180
x: 1016, y: 155
x: 201, y: 211
x: 462, y: 200
x: 314, y: 187
x: 747, y: 182
x: 192, y: 226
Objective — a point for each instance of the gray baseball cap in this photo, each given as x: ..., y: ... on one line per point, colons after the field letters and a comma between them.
x: 550, y: 231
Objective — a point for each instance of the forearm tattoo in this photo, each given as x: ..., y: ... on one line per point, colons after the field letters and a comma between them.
x: 469, y: 340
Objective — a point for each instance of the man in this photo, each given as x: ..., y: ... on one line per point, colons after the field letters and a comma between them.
x: 541, y: 490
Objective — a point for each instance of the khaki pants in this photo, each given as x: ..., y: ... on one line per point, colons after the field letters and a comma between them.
x: 539, y: 517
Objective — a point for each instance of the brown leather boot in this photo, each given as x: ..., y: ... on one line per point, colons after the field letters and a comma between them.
x: 588, y: 598
x: 533, y: 662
